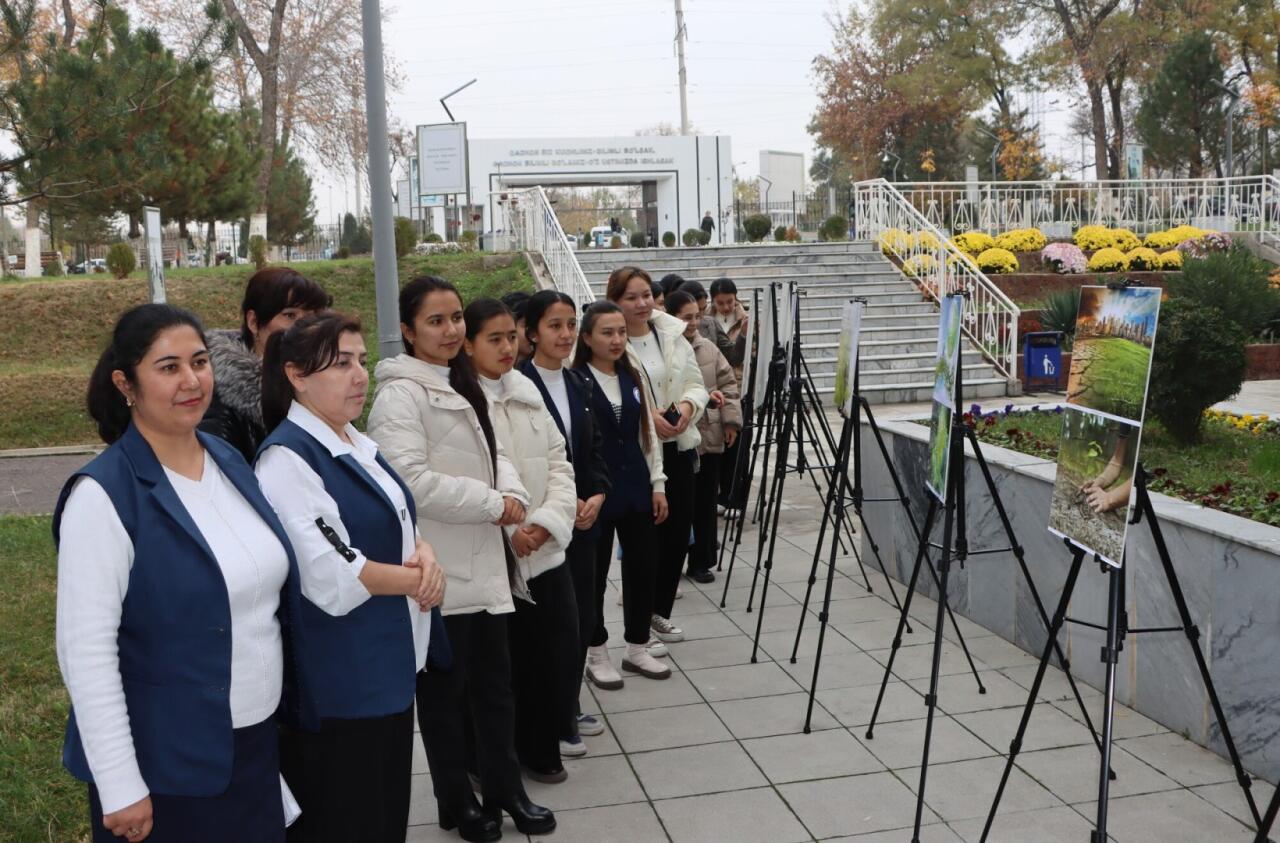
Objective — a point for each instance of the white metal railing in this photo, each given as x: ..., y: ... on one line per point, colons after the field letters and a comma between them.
x: 533, y: 225
x: 1244, y: 204
x: 930, y: 260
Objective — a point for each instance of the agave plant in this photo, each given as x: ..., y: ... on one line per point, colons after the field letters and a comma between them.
x: 1058, y: 313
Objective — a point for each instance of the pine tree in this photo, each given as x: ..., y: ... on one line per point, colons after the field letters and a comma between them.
x: 291, y: 214
x: 1182, y: 118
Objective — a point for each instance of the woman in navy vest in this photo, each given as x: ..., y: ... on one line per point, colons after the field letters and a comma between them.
x: 551, y: 325
x: 636, y: 504
x: 353, y: 528
x: 176, y: 586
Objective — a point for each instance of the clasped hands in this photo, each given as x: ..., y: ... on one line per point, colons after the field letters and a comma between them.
x: 667, y: 430
x: 431, y: 585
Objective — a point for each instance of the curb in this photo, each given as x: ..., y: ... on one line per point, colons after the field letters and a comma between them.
x: 56, y: 451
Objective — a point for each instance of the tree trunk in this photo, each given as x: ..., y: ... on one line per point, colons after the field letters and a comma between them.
x: 1115, y: 89
x: 1098, y: 114
x: 31, y: 257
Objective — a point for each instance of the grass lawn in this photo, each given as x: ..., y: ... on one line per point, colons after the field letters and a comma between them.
x: 1230, y: 469
x: 39, y: 801
x: 53, y: 329
x: 1109, y: 374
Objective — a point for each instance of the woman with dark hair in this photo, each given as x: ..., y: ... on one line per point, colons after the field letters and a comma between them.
x: 543, y: 632
x: 732, y: 347
x: 718, y: 426
x: 352, y: 525
x: 637, y: 502
x: 551, y: 322
x: 274, y: 298
x: 176, y: 588
x: 431, y: 419
x: 677, y: 399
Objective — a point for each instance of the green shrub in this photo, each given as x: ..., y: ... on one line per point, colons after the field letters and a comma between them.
x: 780, y: 234
x: 52, y: 269
x: 468, y: 240
x: 344, y: 252
x: 668, y: 239
x: 361, y: 240
x: 639, y: 240
x: 121, y: 260
x: 834, y: 228
x: 692, y: 237
x: 704, y: 237
x: 757, y: 226
x: 1058, y: 313
x: 406, y: 236
x: 1235, y: 282
x: 433, y: 238
x: 258, y: 250
x: 1199, y: 360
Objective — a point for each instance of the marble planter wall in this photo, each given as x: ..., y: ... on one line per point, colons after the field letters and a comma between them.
x: 1229, y: 569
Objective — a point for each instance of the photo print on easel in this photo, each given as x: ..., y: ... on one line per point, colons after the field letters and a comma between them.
x: 944, y: 398
x: 847, y: 356
x: 1102, y: 423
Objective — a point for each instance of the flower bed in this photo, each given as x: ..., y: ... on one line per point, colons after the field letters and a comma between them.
x: 1236, y: 468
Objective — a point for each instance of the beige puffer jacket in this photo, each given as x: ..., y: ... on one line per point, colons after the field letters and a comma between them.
x: 716, y: 374
x: 432, y: 437
x: 683, y: 380
x: 529, y: 435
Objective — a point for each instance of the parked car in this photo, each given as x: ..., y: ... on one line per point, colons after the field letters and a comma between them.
x: 89, y: 266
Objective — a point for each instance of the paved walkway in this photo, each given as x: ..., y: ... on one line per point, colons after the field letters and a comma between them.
x: 717, y: 753
x: 1255, y: 397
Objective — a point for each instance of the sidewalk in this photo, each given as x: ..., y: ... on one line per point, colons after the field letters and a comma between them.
x: 1256, y: 397
x: 717, y: 753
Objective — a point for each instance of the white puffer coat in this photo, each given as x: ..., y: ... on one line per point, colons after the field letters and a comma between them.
x: 529, y: 435
x: 432, y: 437
x: 684, y: 378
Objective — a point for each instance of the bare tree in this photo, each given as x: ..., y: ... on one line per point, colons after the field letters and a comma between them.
x: 267, y: 63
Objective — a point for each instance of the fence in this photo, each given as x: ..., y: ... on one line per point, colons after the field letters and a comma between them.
x: 530, y: 223
x: 803, y: 211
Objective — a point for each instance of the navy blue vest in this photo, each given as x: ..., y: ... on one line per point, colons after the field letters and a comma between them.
x: 623, y: 453
x: 175, y: 623
x: 362, y: 663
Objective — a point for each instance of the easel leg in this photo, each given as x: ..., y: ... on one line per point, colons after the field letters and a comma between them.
x: 833, y: 494
x: 780, y: 476
x: 931, y: 699
x: 1059, y: 616
x: 1269, y: 820
x: 1110, y: 657
x: 842, y: 461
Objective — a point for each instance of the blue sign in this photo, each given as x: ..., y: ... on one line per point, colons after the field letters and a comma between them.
x: 1042, y: 359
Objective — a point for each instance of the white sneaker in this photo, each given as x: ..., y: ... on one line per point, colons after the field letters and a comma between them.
x: 656, y: 648
x: 573, y: 748
x: 601, y: 671
x: 638, y: 660
x: 590, y: 725
x: 665, y: 630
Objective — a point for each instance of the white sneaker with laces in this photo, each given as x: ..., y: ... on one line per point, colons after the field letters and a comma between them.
x: 665, y: 630
x: 638, y: 660
x: 656, y: 648
x: 601, y: 671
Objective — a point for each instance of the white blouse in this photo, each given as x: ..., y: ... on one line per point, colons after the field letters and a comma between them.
x: 553, y: 380
x: 649, y: 351
x: 298, y: 495
x: 95, y: 556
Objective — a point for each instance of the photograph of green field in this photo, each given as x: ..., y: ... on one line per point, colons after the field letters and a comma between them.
x: 939, y: 439
x: 1096, y: 461
x: 1115, y: 331
x: 847, y: 356
x: 948, y: 355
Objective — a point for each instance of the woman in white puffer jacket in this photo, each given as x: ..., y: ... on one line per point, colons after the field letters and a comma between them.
x: 544, y: 632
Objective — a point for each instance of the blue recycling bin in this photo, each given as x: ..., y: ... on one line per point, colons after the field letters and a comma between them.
x: 1042, y: 359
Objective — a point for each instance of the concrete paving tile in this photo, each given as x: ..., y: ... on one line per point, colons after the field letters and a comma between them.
x: 605, y: 743
x: 994, y: 651
x: 780, y: 644
x: 878, y: 635
x: 419, y: 753
x: 916, y: 661
x: 837, y: 670
x: 696, y: 602
x: 1180, y: 759
x: 933, y: 833
x: 422, y: 801
x: 1228, y: 797
x: 435, y: 834
x: 862, y: 610
x: 1047, y: 729
x: 664, y: 728
x: 899, y: 745
x: 736, y: 600
x: 635, y: 823
x: 692, y: 770
x: 963, y: 790
x: 1126, y: 723
x: 1055, y: 687
x: 854, y: 706
x: 958, y: 693
x: 592, y: 782
x: 639, y: 693
x: 742, y: 681
x: 778, y: 617
x: 843, y: 587
x: 711, y: 652
x: 742, y: 816
x: 763, y: 716
x: 851, y: 805
x: 1048, y: 825
x: 1072, y: 773
x: 1165, y: 817
x: 820, y: 755
x: 711, y: 625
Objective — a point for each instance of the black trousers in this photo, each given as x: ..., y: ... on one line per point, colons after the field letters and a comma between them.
x: 735, y: 494
x: 702, y: 556
x: 545, y: 648
x: 638, y: 537
x: 351, y: 779
x: 580, y: 559
x: 673, y: 534
x: 480, y: 681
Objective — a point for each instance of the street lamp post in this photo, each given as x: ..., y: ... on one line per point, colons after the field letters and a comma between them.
x: 995, y: 150
x: 897, y: 161
x: 1231, y: 119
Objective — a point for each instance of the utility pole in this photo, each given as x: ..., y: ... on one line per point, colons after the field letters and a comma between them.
x: 681, y: 35
x: 385, y: 272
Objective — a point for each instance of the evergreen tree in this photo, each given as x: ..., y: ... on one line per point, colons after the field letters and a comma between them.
x: 1182, y: 116
x: 291, y: 214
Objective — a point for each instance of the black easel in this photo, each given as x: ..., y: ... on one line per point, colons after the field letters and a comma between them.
x: 744, y: 458
x: 1269, y: 819
x: 1117, y: 630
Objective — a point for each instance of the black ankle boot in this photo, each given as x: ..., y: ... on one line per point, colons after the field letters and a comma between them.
x: 474, y: 824
x: 528, y: 817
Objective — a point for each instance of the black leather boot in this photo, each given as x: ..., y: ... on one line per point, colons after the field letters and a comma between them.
x: 528, y: 817
x: 473, y: 823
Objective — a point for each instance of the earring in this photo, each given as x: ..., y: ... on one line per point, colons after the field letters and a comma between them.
x: 128, y: 402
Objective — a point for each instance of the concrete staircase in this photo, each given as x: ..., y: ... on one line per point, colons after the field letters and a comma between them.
x: 899, y: 331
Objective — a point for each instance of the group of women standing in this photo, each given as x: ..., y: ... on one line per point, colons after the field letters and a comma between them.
x: 245, y: 647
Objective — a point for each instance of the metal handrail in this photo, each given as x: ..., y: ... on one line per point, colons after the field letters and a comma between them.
x: 939, y: 269
x: 532, y: 221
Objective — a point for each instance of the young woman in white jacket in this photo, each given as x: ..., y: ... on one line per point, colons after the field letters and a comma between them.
x: 431, y: 420
x: 677, y: 397
x: 543, y: 633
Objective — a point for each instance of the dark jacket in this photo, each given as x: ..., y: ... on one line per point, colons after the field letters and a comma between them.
x: 586, y: 451
x: 235, y: 415
x: 631, y: 489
